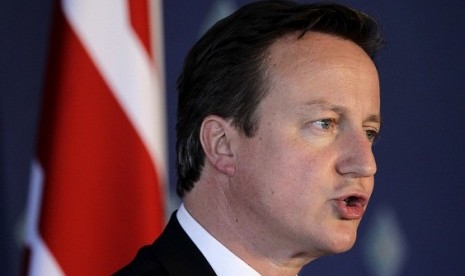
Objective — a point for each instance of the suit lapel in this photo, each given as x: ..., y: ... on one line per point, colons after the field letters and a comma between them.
x: 178, y: 253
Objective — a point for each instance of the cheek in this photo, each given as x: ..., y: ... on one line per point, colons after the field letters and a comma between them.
x: 280, y: 169
x: 296, y: 174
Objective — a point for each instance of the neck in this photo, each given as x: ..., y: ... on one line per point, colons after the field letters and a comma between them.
x: 214, y: 208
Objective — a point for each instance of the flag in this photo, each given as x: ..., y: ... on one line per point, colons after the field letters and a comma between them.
x: 97, y: 184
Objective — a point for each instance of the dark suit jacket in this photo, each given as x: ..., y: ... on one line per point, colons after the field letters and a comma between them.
x: 173, y: 253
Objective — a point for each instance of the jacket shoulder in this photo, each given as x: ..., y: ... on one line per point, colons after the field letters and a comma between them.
x: 173, y: 253
x: 145, y: 263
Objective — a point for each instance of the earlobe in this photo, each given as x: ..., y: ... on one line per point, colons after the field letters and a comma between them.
x: 215, y: 137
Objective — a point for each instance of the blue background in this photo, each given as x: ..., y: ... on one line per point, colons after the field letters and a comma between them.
x: 420, y: 185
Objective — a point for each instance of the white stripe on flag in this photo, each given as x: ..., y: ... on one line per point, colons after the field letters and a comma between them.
x: 42, y: 261
x: 104, y: 29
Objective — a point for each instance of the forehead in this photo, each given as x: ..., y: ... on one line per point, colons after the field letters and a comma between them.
x: 322, y: 67
x: 317, y: 49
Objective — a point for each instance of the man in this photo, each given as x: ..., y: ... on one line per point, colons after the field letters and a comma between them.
x: 278, y: 110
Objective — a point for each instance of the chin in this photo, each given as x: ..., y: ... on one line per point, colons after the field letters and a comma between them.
x: 340, y: 242
x: 345, y: 247
x: 345, y: 236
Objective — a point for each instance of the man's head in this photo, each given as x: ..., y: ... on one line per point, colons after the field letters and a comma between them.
x: 227, y: 72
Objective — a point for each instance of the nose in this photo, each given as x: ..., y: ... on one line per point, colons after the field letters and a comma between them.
x: 356, y: 157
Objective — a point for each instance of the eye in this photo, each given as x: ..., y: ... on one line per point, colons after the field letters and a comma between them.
x: 372, y: 135
x: 325, y: 124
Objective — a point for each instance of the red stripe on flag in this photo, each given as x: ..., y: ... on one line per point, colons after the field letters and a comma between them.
x: 101, y: 198
x: 139, y: 16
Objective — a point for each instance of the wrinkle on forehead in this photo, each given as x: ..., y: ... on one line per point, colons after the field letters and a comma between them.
x: 324, y: 67
x: 314, y: 48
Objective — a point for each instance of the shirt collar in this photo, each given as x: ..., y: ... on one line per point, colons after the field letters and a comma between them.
x: 221, y: 259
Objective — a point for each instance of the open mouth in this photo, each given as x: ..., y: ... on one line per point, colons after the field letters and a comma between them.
x: 354, y: 201
x: 352, y: 206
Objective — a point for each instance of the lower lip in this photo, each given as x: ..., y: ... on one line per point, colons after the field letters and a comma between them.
x: 353, y: 212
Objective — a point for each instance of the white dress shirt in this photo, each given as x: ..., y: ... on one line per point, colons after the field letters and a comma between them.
x: 221, y: 259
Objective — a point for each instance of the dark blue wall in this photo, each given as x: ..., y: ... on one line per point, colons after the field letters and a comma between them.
x: 414, y: 221
x: 24, y: 27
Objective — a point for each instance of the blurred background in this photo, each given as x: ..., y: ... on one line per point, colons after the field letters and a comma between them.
x: 414, y: 225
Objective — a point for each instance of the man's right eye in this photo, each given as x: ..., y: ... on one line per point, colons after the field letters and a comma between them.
x: 325, y: 124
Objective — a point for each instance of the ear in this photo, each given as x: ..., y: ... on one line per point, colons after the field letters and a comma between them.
x: 215, y: 136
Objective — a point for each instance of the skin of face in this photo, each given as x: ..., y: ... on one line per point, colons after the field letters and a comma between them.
x: 312, y: 150
x: 297, y: 189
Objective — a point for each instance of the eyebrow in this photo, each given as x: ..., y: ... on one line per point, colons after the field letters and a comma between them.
x: 374, y: 118
x: 325, y: 105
